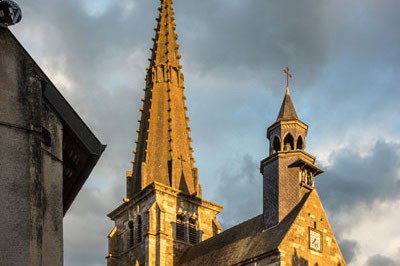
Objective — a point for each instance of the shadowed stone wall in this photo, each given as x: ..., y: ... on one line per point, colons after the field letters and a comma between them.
x: 30, y: 163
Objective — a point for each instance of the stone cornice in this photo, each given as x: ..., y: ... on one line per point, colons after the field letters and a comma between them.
x: 286, y: 122
x: 159, y: 187
x: 300, y: 153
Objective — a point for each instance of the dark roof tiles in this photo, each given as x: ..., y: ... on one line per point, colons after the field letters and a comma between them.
x: 240, y: 243
x: 287, y: 112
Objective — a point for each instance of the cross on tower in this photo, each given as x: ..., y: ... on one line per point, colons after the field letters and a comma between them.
x: 288, y: 75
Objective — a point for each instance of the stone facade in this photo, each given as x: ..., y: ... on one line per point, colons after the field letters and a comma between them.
x: 161, y: 209
x: 295, y: 247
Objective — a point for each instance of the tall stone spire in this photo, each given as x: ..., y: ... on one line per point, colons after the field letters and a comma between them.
x: 163, y: 149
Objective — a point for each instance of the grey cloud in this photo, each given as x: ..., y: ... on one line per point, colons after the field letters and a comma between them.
x: 353, y: 179
x: 238, y: 189
x: 86, y: 226
x: 349, y: 249
x: 379, y: 260
x: 254, y: 38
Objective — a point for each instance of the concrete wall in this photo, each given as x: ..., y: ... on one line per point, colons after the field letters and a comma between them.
x: 30, y: 176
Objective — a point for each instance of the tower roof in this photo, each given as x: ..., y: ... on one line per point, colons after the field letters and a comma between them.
x: 287, y: 112
x: 163, y: 149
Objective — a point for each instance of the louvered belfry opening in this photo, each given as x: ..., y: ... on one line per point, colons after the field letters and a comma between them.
x: 192, y: 234
x: 180, y: 233
x: 131, y: 234
x: 139, y: 230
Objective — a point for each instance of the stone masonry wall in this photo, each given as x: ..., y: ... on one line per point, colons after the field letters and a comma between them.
x: 159, y: 211
x: 295, y: 248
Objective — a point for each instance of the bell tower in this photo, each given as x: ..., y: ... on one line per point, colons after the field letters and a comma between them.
x: 163, y: 212
x: 288, y: 171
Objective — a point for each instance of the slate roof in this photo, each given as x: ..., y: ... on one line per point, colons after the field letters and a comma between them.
x: 240, y: 243
x: 287, y: 112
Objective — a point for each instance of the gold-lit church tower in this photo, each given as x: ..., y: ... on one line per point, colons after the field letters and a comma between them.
x: 163, y: 213
x: 165, y: 221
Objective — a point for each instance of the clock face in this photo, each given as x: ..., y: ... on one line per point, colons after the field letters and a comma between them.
x: 315, y: 240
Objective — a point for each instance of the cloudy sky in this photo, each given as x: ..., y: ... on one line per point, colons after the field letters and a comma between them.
x: 345, y: 56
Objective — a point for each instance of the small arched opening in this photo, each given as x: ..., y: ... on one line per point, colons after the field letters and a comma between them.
x: 139, y: 229
x: 180, y: 228
x: 288, y: 143
x: 192, y: 231
x: 276, y: 145
x: 131, y: 236
x: 300, y: 143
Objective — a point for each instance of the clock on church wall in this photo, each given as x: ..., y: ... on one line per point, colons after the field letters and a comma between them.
x: 315, y: 238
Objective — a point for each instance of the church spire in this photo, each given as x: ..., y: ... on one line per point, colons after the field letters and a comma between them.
x: 288, y: 171
x: 287, y: 111
x: 165, y: 47
x: 163, y: 149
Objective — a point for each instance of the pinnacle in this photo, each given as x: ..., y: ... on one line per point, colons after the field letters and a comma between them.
x: 163, y: 151
x: 287, y: 111
x: 165, y: 48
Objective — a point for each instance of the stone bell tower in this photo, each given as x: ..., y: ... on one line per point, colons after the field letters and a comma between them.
x: 163, y: 213
x: 288, y: 171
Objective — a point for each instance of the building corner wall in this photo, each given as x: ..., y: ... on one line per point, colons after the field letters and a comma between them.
x: 52, y: 182
x: 30, y: 178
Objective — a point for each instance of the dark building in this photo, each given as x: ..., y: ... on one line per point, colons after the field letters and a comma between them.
x: 46, y: 154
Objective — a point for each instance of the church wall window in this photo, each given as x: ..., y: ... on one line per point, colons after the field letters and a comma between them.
x: 276, y: 145
x: 288, y: 142
x: 131, y: 233
x: 180, y: 229
x: 139, y: 229
x: 192, y: 232
x: 300, y: 143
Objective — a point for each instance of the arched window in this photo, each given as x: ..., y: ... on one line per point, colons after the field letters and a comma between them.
x: 300, y: 143
x: 131, y: 236
x: 139, y: 230
x: 276, y: 145
x: 288, y: 143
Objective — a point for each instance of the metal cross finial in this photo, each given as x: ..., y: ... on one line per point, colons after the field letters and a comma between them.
x: 288, y: 75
